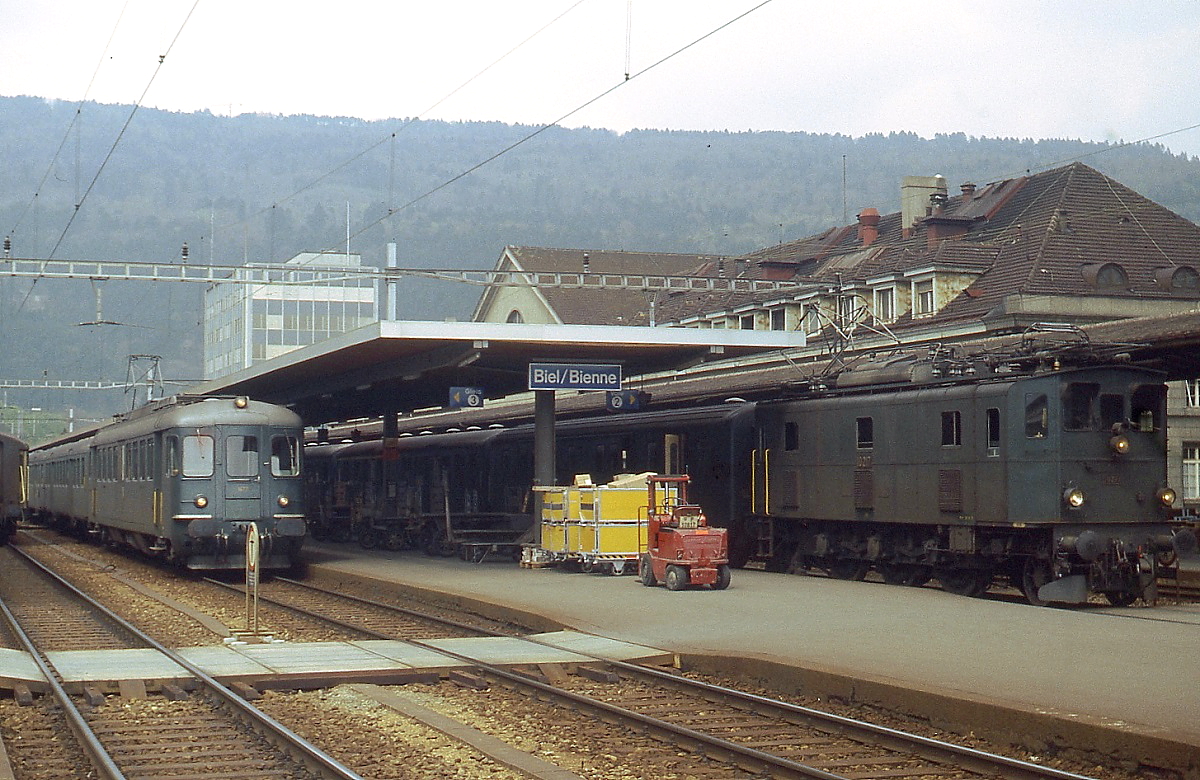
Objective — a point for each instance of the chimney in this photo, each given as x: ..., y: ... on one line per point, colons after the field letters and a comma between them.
x: 868, y: 226
x: 914, y: 198
x: 968, y: 189
x: 587, y: 263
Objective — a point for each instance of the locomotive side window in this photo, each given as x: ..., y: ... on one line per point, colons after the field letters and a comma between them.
x: 198, y: 456
x: 865, y: 432
x: 1148, y: 405
x: 791, y: 436
x: 1037, y: 416
x: 951, y: 429
x: 241, y: 456
x: 993, y: 429
x: 285, y: 456
x: 1080, y: 406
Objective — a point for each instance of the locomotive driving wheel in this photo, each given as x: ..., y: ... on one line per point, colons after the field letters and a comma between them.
x: 847, y: 569
x: 1035, y: 574
x: 962, y: 581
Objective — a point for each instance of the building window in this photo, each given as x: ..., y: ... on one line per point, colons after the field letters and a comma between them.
x: 885, y: 304
x: 1192, y: 388
x: 923, y: 293
x: 1191, y: 471
x: 778, y: 319
x: 515, y: 316
x: 746, y: 322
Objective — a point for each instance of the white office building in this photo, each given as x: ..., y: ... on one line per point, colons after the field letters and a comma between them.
x: 247, y: 322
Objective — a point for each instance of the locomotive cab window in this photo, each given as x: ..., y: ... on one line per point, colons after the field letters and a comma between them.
x: 198, y: 456
x: 1112, y: 410
x: 285, y: 456
x: 1037, y: 416
x: 1080, y: 404
x: 951, y: 429
x: 993, y: 431
x: 1148, y: 407
x: 241, y: 456
x: 791, y: 436
x: 865, y: 432
x: 171, y: 458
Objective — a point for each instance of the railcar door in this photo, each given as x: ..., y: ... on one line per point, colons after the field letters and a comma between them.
x: 243, y: 484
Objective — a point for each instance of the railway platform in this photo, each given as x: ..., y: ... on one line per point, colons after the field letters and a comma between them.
x: 1077, y: 675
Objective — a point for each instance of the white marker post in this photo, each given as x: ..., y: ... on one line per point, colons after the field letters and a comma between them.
x: 252, y: 553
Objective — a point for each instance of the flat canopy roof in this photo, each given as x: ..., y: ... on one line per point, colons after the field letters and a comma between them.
x: 399, y: 366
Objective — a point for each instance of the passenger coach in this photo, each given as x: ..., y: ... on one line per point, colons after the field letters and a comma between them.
x: 13, y: 475
x: 181, y: 479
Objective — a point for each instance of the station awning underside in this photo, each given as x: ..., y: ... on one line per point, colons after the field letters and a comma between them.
x: 399, y: 366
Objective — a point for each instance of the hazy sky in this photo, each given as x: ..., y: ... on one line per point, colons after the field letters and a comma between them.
x: 1096, y: 70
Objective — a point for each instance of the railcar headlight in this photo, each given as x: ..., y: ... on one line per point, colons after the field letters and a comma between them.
x: 283, y: 501
x: 1119, y: 444
x: 1073, y: 497
x: 1166, y: 496
x: 200, y: 501
x: 241, y: 402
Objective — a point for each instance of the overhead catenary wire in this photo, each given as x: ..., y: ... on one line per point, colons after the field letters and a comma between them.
x: 543, y: 128
x: 391, y: 137
x: 113, y: 147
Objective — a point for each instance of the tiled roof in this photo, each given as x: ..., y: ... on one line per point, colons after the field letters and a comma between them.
x: 1043, y: 234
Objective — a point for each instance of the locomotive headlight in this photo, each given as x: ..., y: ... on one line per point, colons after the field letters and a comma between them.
x: 1166, y: 496
x: 1073, y: 497
x: 241, y: 402
x: 200, y: 501
x: 1119, y: 444
x: 283, y: 501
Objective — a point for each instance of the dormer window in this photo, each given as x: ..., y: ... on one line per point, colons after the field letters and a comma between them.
x: 1105, y: 276
x: 885, y: 304
x: 1178, y: 280
x: 515, y: 316
x: 923, y: 297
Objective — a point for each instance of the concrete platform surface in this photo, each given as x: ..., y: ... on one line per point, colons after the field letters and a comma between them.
x: 1135, y: 667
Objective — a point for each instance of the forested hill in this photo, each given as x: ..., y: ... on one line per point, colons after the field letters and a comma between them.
x: 262, y: 188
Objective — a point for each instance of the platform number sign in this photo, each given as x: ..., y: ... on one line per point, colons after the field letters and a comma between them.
x: 469, y: 397
x: 625, y: 400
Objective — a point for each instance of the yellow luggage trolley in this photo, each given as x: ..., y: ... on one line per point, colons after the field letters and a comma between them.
x: 593, y: 526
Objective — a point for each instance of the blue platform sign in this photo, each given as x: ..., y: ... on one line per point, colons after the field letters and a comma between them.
x: 574, y: 376
x: 469, y: 397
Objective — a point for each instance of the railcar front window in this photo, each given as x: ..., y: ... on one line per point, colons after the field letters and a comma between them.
x: 241, y: 456
x: 198, y: 456
x: 285, y: 456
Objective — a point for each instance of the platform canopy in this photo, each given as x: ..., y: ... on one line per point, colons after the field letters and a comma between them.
x: 400, y: 366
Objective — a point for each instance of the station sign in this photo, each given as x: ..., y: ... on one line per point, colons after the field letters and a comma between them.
x: 574, y: 376
x: 469, y: 397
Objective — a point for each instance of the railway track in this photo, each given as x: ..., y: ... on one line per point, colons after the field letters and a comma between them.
x: 752, y: 735
x: 209, y: 732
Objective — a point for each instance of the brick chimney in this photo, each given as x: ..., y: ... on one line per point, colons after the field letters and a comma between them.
x: 968, y: 190
x: 868, y: 226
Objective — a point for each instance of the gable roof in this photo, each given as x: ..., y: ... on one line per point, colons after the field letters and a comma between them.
x: 612, y: 306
